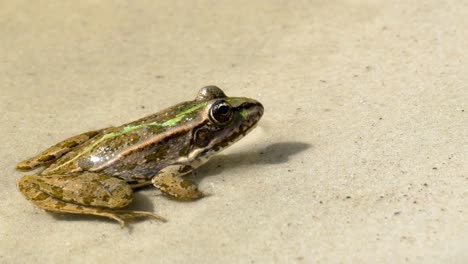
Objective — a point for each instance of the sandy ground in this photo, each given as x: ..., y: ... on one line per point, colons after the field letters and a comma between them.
x: 361, y: 156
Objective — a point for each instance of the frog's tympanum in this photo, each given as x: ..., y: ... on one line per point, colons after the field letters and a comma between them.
x: 95, y: 172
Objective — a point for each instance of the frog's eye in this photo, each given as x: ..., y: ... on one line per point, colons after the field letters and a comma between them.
x: 220, y: 112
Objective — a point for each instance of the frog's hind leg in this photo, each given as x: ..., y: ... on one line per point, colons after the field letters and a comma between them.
x: 56, y: 151
x: 87, y: 193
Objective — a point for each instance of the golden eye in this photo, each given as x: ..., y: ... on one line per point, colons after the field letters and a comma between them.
x: 221, y: 112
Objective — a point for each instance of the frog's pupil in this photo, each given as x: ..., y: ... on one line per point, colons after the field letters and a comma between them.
x: 223, y: 109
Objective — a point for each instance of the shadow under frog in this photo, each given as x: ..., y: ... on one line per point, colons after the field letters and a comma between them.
x: 276, y: 153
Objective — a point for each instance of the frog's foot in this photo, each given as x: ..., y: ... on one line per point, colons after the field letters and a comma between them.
x: 87, y: 193
x: 171, y: 183
x: 122, y: 216
x: 58, y: 150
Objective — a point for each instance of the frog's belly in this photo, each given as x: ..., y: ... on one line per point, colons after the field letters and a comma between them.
x: 131, y: 173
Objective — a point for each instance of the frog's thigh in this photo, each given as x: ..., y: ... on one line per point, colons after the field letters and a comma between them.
x: 87, y: 193
x: 56, y: 151
x: 170, y: 181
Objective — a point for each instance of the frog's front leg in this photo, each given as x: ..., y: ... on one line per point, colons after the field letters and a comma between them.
x: 83, y: 193
x: 170, y: 181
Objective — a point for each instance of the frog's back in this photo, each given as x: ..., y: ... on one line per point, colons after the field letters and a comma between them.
x: 135, y: 150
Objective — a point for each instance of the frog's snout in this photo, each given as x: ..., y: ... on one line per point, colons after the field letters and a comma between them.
x: 259, y: 110
x: 254, y: 109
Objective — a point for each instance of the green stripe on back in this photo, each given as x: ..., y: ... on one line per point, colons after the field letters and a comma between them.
x: 127, y: 129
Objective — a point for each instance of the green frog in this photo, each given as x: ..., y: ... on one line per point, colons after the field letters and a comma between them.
x: 96, y: 172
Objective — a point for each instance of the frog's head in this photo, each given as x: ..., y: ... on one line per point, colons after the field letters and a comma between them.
x: 226, y: 120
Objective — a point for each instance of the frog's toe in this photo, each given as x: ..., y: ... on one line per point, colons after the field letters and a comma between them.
x: 183, y: 194
x: 25, y: 166
x: 113, y: 217
x: 122, y: 216
x: 205, y: 194
x: 128, y: 215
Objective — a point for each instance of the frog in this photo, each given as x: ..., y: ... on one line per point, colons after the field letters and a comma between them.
x: 97, y: 172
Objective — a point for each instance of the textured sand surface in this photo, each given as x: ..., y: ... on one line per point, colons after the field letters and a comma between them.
x: 361, y: 156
